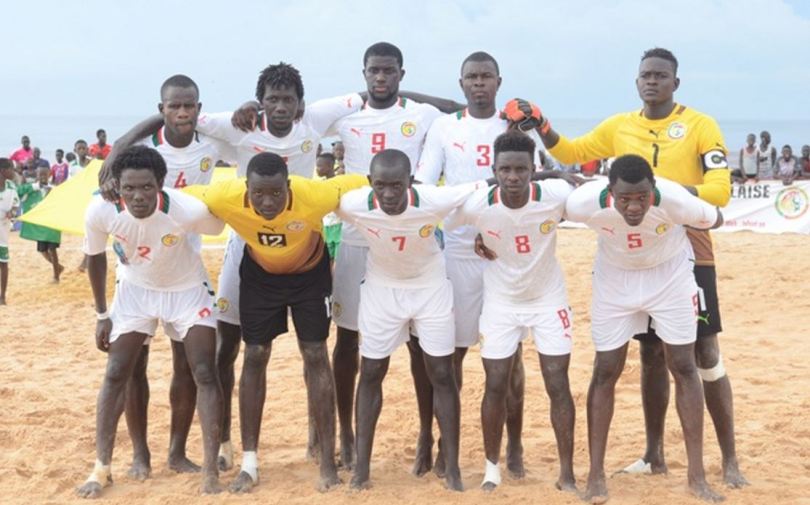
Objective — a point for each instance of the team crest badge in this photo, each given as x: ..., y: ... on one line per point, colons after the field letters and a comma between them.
x: 223, y: 304
x: 408, y: 129
x: 426, y: 231
x: 169, y: 240
x: 676, y: 130
x: 661, y: 229
x: 791, y: 203
x: 547, y: 226
x: 306, y: 146
x: 206, y: 164
x: 295, y: 226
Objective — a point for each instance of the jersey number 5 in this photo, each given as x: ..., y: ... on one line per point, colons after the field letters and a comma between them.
x: 634, y: 240
x: 377, y: 142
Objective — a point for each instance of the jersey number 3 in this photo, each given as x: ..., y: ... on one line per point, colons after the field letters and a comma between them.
x: 483, y: 159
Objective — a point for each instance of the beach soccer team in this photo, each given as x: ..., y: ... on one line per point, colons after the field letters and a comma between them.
x: 493, y: 280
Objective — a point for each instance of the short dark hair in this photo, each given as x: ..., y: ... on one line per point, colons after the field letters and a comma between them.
x: 514, y: 140
x: 391, y: 157
x: 664, y: 54
x: 328, y: 156
x: 282, y: 75
x: 100, y: 131
x: 139, y: 157
x: 60, y: 151
x: 383, y: 49
x: 6, y: 163
x: 788, y: 146
x: 630, y: 168
x: 80, y: 141
x: 480, y: 56
x: 179, y: 81
x: 268, y: 164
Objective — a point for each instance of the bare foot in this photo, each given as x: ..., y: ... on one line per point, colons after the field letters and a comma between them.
x: 423, y: 462
x: 453, y: 481
x: 90, y: 489
x: 733, y: 477
x: 243, y: 483
x: 59, y: 270
x: 488, y: 486
x: 514, y: 462
x: 210, y: 484
x: 702, y: 490
x: 596, y: 492
x: 140, y: 469
x: 566, y: 484
x: 359, y: 483
x: 328, y: 483
x: 183, y: 465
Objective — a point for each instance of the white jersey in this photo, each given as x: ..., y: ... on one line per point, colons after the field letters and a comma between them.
x: 298, y: 148
x: 524, y: 239
x: 8, y: 200
x: 658, y: 238
x: 193, y: 164
x: 402, y: 126
x: 155, y: 252
x: 403, y: 252
x: 460, y: 147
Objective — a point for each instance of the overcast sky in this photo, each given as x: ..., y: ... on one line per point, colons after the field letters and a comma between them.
x: 745, y: 59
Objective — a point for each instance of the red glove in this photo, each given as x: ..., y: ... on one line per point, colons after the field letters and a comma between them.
x: 525, y: 114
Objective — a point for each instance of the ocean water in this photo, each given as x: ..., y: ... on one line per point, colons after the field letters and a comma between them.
x: 52, y: 132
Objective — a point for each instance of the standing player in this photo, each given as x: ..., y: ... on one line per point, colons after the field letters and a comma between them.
x: 685, y: 146
x: 9, y: 203
x: 460, y: 147
x: 161, y: 277
x: 285, y: 266
x: 283, y: 127
x: 643, y: 271
x: 404, y: 282
x: 190, y: 157
x: 387, y: 121
x: 525, y: 290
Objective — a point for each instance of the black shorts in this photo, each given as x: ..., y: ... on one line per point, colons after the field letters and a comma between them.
x: 709, y: 319
x: 265, y: 297
x: 43, y: 245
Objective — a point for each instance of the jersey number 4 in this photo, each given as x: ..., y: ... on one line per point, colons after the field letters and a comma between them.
x: 181, y: 180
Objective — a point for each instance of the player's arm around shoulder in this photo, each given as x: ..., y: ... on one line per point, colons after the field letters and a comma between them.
x: 194, y: 215
x: 585, y: 201
x: 353, y: 203
x: 322, y: 114
x: 687, y: 209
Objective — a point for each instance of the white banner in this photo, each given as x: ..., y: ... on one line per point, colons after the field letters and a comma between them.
x: 768, y: 207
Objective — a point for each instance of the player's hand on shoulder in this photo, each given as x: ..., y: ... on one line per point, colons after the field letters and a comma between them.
x: 246, y: 116
x: 522, y: 114
x: 103, y: 330
x: 482, y: 250
x: 109, y: 190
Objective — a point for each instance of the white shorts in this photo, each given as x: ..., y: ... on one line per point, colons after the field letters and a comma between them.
x: 467, y: 276
x: 227, y: 305
x: 139, y: 309
x: 350, y: 269
x: 551, y: 322
x: 623, y: 300
x: 386, y: 314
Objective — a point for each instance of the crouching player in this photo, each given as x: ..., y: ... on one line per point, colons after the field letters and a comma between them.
x: 161, y: 277
x: 524, y: 291
x: 643, y: 270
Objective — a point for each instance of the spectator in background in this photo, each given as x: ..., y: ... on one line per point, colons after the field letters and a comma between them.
x: 73, y: 164
x: 59, y: 170
x: 804, y: 163
x: 767, y: 156
x: 21, y: 156
x: 80, y: 148
x: 338, y: 151
x: 47, y: 239
x: 787, y: 166
x: 590, y: 168
x: 749, y: 161
x: 30, y: 170
x: 101, y: 149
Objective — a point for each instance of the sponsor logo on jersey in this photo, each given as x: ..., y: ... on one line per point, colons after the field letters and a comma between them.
x: 676, y: 130
x: 547, y: 226
x: 206, y: 164
x: 426, y: 231
x: 661, y: 228
x: 223, y: 304
x: 169, y: 240
x: 306, y: 146
x: 792, y: 203
x: 408, y: 129
x: 296, y: 225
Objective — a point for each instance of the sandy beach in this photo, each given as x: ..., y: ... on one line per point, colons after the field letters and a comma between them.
x: 50, y: 372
